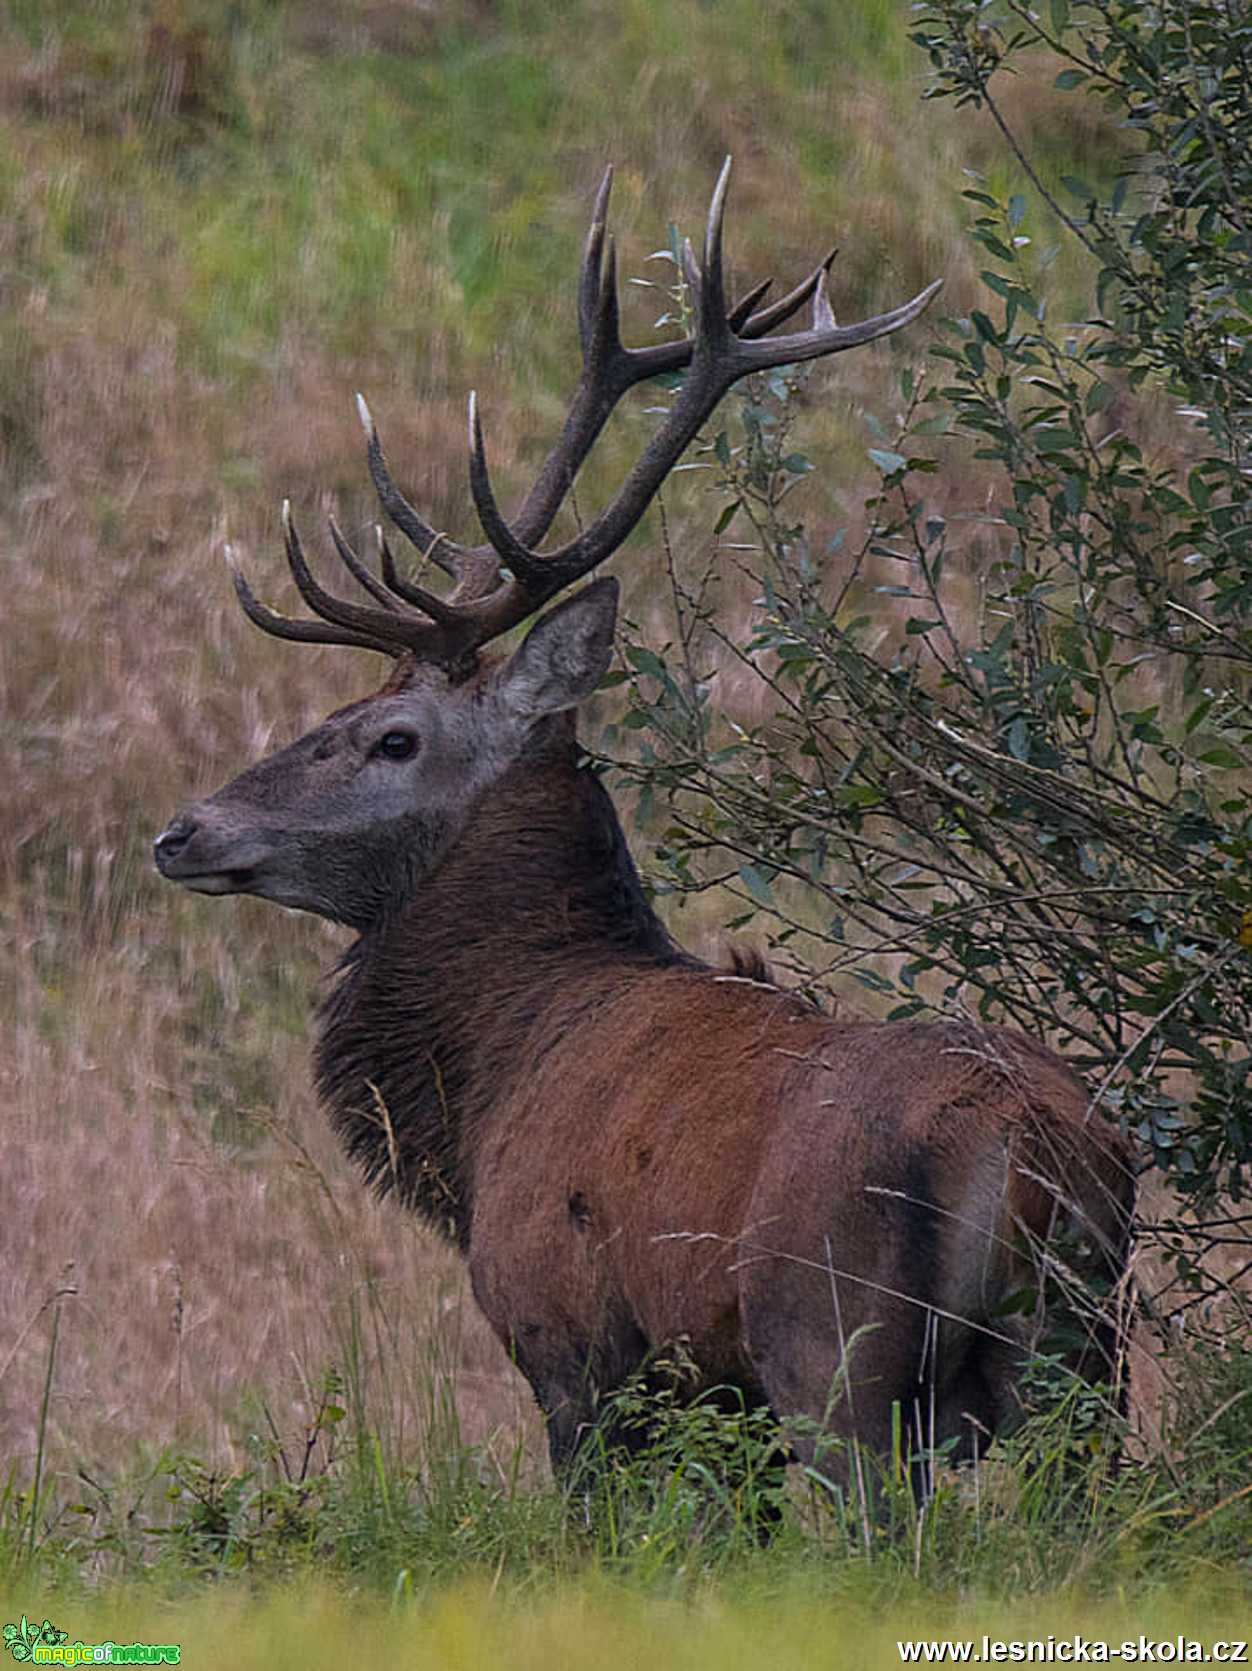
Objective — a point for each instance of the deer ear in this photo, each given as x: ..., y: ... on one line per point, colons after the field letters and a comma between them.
x: 565, y: 655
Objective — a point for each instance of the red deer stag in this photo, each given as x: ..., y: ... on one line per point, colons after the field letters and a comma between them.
x: 631, y: 1149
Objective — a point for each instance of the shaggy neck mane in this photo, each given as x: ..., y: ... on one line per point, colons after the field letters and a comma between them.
x: 436, y: 1009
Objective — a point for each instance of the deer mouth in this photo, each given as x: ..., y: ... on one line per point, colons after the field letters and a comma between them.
x: 180, y: 855
x: 213, y: 881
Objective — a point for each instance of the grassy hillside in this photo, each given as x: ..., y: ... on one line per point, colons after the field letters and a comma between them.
x: 217, y: 221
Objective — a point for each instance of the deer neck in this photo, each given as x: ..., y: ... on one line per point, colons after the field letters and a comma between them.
x: 430, y: 1020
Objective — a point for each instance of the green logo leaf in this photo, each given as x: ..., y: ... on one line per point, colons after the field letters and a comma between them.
x: 22, y: 1639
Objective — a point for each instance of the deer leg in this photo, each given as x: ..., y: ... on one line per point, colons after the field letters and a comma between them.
x: 872, y: 1379
x: 574, y: 1381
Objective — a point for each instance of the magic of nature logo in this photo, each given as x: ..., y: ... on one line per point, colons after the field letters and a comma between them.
x: 46, y: 1644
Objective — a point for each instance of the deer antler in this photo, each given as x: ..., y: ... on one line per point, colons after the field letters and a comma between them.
x: 728, y: 343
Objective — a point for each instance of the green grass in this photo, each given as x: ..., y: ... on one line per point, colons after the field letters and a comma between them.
x: 700, y: 1512
x: 472, y: 1628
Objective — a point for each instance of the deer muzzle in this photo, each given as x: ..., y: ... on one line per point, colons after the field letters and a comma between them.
x: 207, y: 859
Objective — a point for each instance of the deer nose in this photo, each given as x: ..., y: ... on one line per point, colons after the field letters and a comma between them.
x: 172, y: 839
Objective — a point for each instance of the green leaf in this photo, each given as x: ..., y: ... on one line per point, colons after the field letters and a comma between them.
x: 859, y: 795
x: 755, y: 883
x: 644, y: 660
x: 726, y: 518
x: 1099, y: 395
x: 889, y: 463
x: 996, y: 246
x: 1050, y: 440
x: 1069, y: 79
x: 1198, y: 715
x: 796, y: 464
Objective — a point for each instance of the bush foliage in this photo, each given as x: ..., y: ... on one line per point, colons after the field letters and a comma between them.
x: 1027, y: 794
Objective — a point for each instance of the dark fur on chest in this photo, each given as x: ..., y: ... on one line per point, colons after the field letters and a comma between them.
x: 434, y: 1013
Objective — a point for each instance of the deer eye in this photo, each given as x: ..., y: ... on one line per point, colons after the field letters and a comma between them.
x: 396, y: 745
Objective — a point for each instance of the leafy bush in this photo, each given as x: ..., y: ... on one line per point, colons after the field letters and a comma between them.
x: 1007, y: 763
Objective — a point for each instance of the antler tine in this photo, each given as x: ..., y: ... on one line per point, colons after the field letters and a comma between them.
x: 823, y: 313
x: 714, y: 327
x: 591, y: 278
x: 430, y: 603
x: 694, y: 280
x: 780, y: 311
x: 302, y: 632
x: 533, y: 572
x: 605, y: 343
x: 395, y: 629
x: 397, y: 507
x: 330, y: 608
x: 825, y: 337
x: 357, y: 569
x: 740, y: 314
x: 475, y: 569
x: 660, y: 357
x: 439, y: 609
x: 441, y: 633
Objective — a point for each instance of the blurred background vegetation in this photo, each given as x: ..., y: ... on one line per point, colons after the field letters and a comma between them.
x: 217, y: 221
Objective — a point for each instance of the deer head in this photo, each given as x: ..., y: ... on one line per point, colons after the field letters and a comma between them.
x: 347, y: 821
